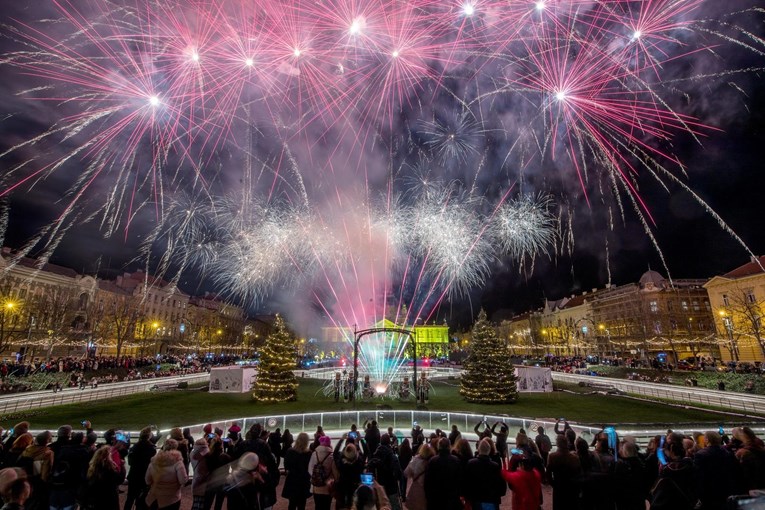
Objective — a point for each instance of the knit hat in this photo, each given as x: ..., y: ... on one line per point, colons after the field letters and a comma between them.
x: 207, y: 429
x: 235, y: 428
x: 325, y: 441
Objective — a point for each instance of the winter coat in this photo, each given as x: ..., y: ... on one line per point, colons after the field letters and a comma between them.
x: 384, y: 464
x: 139, y: 458
x: 40, y: 460
x: 347, y: 478
x: 526, y: 487
x: 675, y: 489
x: 563, y: 469
x: 322, y: 454
x: 102, y: 489
x: 201, y: 474
x: 718, y: 475
x: 442, y: 482
x: 483, y: 482
x: 415, y: 471
x: 165, y: 476
x: 297, y: 484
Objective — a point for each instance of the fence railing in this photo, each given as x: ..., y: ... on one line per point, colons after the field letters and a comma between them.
x: 737, y: 402
x: 335, y: 424
x: 17, y: 402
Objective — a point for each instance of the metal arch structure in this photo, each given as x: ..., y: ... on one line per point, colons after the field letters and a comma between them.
x: 359, y: 334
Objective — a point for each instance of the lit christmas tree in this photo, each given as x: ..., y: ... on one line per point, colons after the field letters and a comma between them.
x: 276, y: 380
x: 488, y: 376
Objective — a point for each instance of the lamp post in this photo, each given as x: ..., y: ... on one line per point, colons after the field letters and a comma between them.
x: 603, y: 328
x: 155, y: 328
x: 728, y: 326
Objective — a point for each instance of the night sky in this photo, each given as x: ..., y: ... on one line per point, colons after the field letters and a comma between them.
x: 701, y: 76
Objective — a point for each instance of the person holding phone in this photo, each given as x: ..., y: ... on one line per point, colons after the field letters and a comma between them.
x: 370, y: 495
x: 675, y: 489
x: 297, y: 484
x: 139, y: 456
x: 415, y: 472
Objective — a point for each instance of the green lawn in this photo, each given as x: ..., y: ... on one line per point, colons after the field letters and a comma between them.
x: 172, y: 408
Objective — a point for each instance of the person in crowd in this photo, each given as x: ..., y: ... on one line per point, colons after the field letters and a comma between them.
x: 370, y: 498
x: 463, y: 451
x: 320, y: 467
x: 484, y: 485
x: 297, y: 484
x: 245, y: 482
x: 104, y: 478
x: 415, y: 471
x: 418, y: 437
x: 316, y: 435
x: 454, y: 434
x: 675, y: 488
x: 165, y: 477
x: 404, y: 458
x: 16, y: 432
x: 501, y: 441
x: 37, y: 460
x: 189, y: 440
x: 15, y: 494
x: 371, y: 436
x: 751, y: 456
x: 588, y: 479
x: 139, y: 457
x: 443, y: 479
x: 628, y: 478
x: 183, y: 445
x: 69, y: 473
x: 217, y: 464
x: 387, y: 471
x: 201, y: 474
x: 543, y: 443
x: 717, y: 473
x: 526, y: 486
x: 563, y: 469
x: 63, y: 438
x: 287, y: 441
x: 393, y: 439
x: 275, y: 443
x: 348, y: 466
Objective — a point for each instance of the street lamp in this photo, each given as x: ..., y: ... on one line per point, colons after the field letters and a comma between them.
x: 728, y: 325
x: 155, y: 327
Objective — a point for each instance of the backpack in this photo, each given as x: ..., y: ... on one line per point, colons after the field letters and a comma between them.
x: 319, y: 475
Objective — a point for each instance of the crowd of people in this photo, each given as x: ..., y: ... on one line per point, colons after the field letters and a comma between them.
x: 369, y: 468
x: 91, y: 372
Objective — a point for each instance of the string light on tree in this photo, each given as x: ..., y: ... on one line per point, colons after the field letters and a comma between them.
x: 488, y: 376
x: 276, y: 380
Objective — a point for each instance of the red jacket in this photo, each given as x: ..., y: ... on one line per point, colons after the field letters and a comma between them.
x: 526, y: 487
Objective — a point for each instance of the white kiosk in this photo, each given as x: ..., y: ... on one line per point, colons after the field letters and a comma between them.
x: 232, y: 379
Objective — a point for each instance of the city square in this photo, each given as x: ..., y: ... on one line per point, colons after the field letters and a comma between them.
x: 389, y: 254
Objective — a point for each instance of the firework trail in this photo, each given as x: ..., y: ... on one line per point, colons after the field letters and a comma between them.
x: 385, y: 152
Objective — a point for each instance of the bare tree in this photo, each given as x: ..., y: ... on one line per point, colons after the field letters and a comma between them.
x: 53, y: 313
x: 122, y: 319
x: 743, y: 315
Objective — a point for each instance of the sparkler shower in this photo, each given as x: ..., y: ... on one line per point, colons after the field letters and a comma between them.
x: 364, y: 156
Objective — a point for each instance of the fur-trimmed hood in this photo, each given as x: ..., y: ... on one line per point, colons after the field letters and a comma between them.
x: 167, y: 458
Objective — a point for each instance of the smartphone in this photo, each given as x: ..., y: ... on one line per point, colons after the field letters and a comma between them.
x: 211, y: 436
x: 367, y: 478
x: 660, y: 453
x: 516, y: 451
x: 226, y: 439
x: 721, y: 430
x: 10, y: 431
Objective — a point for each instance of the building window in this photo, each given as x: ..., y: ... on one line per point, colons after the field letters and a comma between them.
x: 670, y: 307
x: 726, y: 301
x: 707, y: 306
x: 684, y: 305
x: 673, y: 324
x: 750, y: 297
x: 657, y: 327
x: 654, y: 306
x: 696, y: 306
x: 728, y: 324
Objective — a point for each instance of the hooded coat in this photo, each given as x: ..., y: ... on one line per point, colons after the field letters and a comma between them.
x: 165, y: 476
